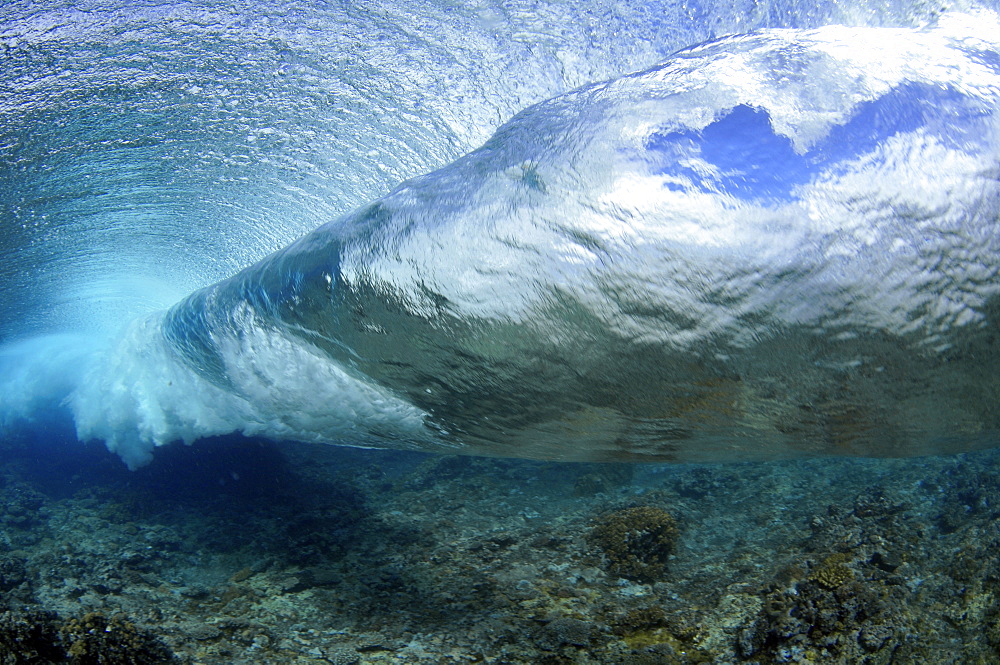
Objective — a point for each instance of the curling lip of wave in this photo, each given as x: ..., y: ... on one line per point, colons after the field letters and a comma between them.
x: 635, y: 271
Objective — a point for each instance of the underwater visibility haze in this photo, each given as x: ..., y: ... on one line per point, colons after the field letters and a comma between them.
x: 571, y: 231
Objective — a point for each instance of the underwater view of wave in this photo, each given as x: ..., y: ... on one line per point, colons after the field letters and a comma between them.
x: 569, y: 231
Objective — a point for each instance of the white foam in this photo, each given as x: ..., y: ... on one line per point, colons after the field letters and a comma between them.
x: 37, y: 374
x: 138, y: 395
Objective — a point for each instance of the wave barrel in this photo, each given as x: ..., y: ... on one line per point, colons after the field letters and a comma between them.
x: 775, y: 245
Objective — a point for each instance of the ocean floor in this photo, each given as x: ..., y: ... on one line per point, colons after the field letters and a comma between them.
x: 242, y: 551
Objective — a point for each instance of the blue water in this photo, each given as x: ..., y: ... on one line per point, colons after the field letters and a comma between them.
x: 597, y: 232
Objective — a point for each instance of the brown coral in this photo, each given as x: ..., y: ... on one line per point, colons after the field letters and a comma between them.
x: 832, y: 572
x: 636, y: 542
x: 98, y: 640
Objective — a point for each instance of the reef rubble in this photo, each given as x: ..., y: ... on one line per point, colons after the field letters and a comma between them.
x: 240, y: 551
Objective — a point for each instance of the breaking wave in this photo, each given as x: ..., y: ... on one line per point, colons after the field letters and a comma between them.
x: 776, y: 244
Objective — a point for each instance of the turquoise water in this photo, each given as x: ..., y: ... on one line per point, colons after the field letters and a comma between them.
x: 761, y: 236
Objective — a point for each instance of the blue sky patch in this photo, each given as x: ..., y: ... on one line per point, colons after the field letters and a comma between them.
x: 748, y: 160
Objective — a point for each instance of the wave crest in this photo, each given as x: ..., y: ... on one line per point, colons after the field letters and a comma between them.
x: 772, y: 245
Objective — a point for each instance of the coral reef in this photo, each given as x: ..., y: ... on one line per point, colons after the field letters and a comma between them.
x: 565, y: 631
x: 95, y: 639
x: 22, y: 508
x: 850, y: 621
x: 636, y: 542
x: 29, y: 637
x: 300, y: 555
x: 832, y: 572
x: 38, y: 637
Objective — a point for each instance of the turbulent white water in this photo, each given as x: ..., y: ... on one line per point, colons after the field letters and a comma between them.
x: 776, y: 244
